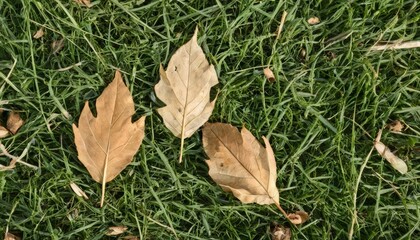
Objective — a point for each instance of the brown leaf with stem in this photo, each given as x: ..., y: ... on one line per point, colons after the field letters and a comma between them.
x: 240, y: 164
x: 107, y: 143
x: 185, y: 89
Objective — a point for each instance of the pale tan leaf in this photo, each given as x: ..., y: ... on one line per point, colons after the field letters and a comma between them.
x: 14, y: 122
x: 3, y: 132
x: 279, y: 232
x: 269, y: 75
x: 298, y: 217
x: 313, y: 20
x: 79, y: 192
x: 240, y: 164
x: 39, y: 33
x: 185, y: 89
x: 396, y: 162
x: 396, y: 126
x: 117, y: 230
x: 107, y: 143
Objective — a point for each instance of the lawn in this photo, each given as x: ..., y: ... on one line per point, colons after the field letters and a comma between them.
x: 331, y: 96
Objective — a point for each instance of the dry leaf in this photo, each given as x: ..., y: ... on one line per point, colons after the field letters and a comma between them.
x: 185, y: 89
x: 84, y: 2
x: 57, y: 45
x: 396, y: 162
x: 117, y: 230
x: 269, y: 75
x: 279, y: 232
x: 313, y: 20
x: 396, y: 126
x: 39, y: 33
x: 79, y: 192
x: 298, y: 217
x: 130, y: 237
x: 3, y: 132
x: 9, y: 236
x: 107, y: 143
x: 14, y: 122
x: 240, y: 164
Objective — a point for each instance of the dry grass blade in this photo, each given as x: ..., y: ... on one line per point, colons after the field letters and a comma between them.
x: 107, y: 143
x: 185, y: 89
x: 397, y: 45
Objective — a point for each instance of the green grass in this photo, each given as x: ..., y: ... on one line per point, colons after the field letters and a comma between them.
x: 321, y: 116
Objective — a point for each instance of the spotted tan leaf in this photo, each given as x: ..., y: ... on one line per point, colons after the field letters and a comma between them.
x: 185, y: 89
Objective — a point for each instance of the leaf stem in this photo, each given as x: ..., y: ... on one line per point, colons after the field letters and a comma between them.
x: 281, y: 210
x: 103, y: 193
x: 182, y: 146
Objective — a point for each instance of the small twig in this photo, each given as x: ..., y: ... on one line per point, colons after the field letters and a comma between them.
x: 397, y: 45
x: 70, y: 67
x: 17, y: 159
x: 280, y: 28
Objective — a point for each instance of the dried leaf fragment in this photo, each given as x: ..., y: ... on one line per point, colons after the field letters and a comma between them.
x: 57, y: 45
x: 269, y: 75
x: 14, y: 122
x: 240, y: 164
x: 79, y: 192
x: 396, y: 162
x: 86, y: 3
x: 279, y: 232
x: 396, y: 126
x: 298, y: 217
x: 185, y: 89
x: 107, y: 143
x: 3, y: 132
x: 9, y: 236
x: 313, y: 20
x: 39, y: 34
x: 117, y: 230
x: 130, y: 237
